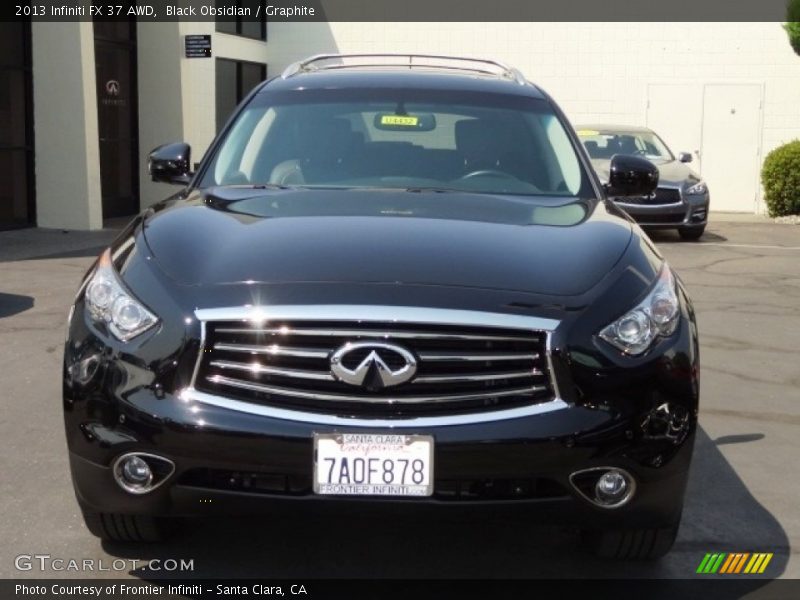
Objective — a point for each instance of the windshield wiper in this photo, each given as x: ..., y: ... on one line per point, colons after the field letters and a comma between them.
x: 435, y: 190
x: 259, y: 186
x: 269, y: 186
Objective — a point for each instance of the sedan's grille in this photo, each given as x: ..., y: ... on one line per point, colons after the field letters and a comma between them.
x: 661, y: 196
x: 459, y: 369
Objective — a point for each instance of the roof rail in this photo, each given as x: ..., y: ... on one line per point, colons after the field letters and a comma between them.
x: 407, y: 61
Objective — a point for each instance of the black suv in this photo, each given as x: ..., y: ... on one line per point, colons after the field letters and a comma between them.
x: 392, y: 279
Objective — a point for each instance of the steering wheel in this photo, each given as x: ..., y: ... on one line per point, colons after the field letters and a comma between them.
x: 487, y: 173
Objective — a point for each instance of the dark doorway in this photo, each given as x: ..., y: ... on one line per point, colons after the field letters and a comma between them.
x: 235, y: 79
x: 115, y: 64
x: 16, y: 127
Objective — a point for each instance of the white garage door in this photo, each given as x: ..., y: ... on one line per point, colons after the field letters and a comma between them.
x: 732, y: 145
x: 720, y: 125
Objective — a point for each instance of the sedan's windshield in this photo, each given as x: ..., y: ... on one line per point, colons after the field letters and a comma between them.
x: 399, y: 139
x: 605, y: 144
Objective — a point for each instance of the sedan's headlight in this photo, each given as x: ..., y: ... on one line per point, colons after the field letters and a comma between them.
x: 656, y: 315
x: 698, y: 188
x: 108, y: 301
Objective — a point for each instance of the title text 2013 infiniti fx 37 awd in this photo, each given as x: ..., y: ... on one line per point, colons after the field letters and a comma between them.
x: 394, y: 285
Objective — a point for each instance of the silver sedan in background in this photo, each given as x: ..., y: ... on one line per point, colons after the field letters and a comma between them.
x: 681, y: 200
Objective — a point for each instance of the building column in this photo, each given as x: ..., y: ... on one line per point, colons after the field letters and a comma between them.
x: 161, y: 119
x: 67, y: 155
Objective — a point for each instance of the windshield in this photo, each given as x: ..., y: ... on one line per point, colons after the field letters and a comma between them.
x: 604, y: 144
x: 399, y: 139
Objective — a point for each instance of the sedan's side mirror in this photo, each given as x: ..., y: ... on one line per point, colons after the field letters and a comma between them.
x: 631, y: 176
x: 685, y: 157
x: 171, y: 163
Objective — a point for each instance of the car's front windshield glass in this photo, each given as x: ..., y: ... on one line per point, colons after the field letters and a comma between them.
x: 605, y: 144
x: 399, y: 139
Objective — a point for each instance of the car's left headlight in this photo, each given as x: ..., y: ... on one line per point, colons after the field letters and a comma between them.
x: 107, y: 301
x: 656, y: 315
x: 698, y: 188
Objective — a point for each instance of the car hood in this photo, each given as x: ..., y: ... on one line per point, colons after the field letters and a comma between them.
x: 672, y: 173
x: 226, y: 236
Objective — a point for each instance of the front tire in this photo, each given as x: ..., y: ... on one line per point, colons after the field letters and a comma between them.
x: 691, y: 233
x: 631, y: 544
x: 115, y: 527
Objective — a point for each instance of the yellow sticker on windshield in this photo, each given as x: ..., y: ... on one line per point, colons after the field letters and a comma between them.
x: 401, y: 120
x: 587, y: 132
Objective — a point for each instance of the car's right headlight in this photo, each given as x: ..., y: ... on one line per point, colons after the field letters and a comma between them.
x: 698, y: 188
x: 656, y: 315
x: 107, y: 301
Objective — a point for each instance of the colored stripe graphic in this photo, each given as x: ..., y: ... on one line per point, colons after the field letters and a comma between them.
x: 713, y: 566
x: 727, y: 564
x: 712, y: 558
x: 718, y: 563
x: 734, y: 563
x: 740, y: 564
x: 767, y: 558
x: 730, y: 564
x: 702, y: 567
x: 754, y: 563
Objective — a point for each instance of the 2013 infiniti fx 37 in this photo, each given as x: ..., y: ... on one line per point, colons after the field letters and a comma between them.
x: 388, y: 284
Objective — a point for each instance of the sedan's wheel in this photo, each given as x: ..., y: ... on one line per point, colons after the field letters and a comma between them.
x: 691, y: 233
x: 125, y: 528
x: 631, y: 544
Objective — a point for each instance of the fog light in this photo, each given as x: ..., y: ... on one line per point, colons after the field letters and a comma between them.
x: 139, y: 472
x: 611, y: 487
x: 605, y: 487
x: 136, y: 471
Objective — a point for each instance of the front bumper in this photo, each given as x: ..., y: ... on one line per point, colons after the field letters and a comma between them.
x: 233, y: 462
x: 691, y: 211
x: 524, y: 461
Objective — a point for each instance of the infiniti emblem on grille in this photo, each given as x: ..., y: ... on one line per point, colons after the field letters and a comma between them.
x: 373, y: 365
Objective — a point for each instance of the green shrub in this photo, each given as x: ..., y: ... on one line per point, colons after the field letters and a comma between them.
x: 793, y: 24
x: 793, y: 29
x: 780, y: 177
x: 793, y: 10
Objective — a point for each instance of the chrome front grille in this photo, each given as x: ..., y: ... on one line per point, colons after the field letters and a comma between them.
x: 662, y: 196
x: 287, y: 364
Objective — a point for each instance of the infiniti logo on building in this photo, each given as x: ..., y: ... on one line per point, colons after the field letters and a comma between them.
x: 373, y: 365
x: 112, y: 87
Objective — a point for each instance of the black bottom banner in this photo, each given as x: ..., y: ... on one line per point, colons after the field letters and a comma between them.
x: 411, y: 589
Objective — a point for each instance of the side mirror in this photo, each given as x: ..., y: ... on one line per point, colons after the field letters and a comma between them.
x: 631, y: 176
x: 171, y: 163
x: 685, y: 157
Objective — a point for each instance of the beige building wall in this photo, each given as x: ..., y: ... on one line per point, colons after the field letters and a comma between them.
x: 601, y: 72
x: 598, y: 72
x: 177, y: 99
x: 159, y: 56
x: 176, y: 102
x: 67, y: 161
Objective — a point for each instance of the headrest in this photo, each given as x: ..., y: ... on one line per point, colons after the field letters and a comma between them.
x: 327, y: 139
x: 592, y: 148
x: 626, y: 144
x: 485, y: 141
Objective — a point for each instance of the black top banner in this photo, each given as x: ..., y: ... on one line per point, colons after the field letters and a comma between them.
x: 393, y: 10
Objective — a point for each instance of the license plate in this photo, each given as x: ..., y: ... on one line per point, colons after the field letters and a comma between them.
x: 373, y: 464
